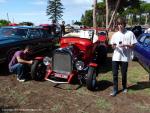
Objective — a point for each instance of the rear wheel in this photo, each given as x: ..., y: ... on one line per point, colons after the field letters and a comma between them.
x: 91, y: 78
x: 38, y: 70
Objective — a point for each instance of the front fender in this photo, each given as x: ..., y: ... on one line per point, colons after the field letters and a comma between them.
x: 38, y: 58
x: 93, y: 64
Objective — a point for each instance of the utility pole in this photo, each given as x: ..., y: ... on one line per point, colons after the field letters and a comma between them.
x: 7, y: 17
x: 13, y: 20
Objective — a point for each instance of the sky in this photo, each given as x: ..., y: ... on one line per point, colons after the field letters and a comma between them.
x: 35, y: 10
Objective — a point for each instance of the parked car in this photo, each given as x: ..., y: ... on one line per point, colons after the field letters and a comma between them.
x: 137, y: 30
x: 13, y: 38
x: 142, y: 50
x: 49, y: 28
x: 77, y: 57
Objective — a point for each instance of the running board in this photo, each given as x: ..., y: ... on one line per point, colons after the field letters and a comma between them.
x: 56, y: 82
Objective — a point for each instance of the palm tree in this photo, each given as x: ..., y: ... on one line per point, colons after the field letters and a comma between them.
x: 108, y: 5
x: 107, y: 13
x: 94, y: 13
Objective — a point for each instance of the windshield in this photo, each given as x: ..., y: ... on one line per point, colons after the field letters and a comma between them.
x: 13, y: 32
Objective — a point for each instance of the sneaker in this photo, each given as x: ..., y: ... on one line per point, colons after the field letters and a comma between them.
x: 21, y: 80
x: 113, y: 94
x: 124, y: 90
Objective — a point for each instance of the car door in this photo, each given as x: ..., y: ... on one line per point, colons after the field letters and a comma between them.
x: 146, y: 52
x: 46, y: 39
x: 142, y: 50
x: 138, y: 50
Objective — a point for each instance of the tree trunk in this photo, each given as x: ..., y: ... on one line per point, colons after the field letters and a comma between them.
x: 114, y: 12
x: 94, y: 14
x: 107, y: 13
x: 146, y: 18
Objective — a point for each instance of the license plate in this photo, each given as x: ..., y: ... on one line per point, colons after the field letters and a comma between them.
x: 60, y: 75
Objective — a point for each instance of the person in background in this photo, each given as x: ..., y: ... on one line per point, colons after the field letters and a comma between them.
x: 63, y: 28
x: 19, y: 64
x: 122, y: 42
x: 137, y: 30
x: 53, y: 27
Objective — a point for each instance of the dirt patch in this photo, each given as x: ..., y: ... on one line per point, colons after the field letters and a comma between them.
x: 45, y: 97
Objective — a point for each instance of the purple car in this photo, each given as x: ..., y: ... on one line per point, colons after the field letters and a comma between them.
x: 142, y: 51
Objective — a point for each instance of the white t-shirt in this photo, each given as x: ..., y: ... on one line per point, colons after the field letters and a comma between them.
x: 123, y: 53
x: 147, y: 30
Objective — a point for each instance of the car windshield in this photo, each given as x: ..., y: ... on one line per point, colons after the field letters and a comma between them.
x: 147, y: 41
x: 13, y: 32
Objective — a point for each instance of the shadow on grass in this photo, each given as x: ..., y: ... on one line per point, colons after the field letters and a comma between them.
x: 103, y: 84
x: 70, y: 86
x: 140, y: 85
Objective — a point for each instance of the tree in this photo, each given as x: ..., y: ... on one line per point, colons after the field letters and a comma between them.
x: 87, y: 18
x: 54, y: 9
x: 146, y: 10
x: 101, y: 14
x: 94, y: 13
x: 109, y: 10
x: 114, y: 12
x: 107, y: 13
x: 77, y: 23
x: 4, y: 22
x: 117, y: 6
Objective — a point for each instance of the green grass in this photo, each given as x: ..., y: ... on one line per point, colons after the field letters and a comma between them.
x: 80, y: 111
x: 136, y: 73
x: 130, y: 91
x: 137, y: 78
x: 143, y: 107
x: 103, y: 104
x: 57, y: 108
x: 17, y: 96
x: 82, y: 91
x: 147, y: 91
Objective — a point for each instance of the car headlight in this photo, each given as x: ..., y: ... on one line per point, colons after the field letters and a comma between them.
x: 47, y: 61
x: 79, y: 65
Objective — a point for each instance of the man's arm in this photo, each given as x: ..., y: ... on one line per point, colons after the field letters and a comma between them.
x: 20, y: 60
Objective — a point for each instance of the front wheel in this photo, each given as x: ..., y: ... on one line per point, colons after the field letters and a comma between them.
x: 38, y: 70
x: 91, y: 78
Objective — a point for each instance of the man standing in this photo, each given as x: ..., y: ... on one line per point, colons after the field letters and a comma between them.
x: 63, y: 28
x: 122, y: 42
x: 53, y: 27
x: 19, y: 63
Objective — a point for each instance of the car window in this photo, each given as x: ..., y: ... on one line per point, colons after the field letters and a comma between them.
x: 13, y: 32
x: 147, y: 41
x: 141, y: 39
x: 34, y: 33
x: 4, y: 31
x: 20, y: 32
x: 44, y: 33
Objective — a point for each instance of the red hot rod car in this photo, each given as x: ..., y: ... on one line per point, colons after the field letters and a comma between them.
x: 77, y: 57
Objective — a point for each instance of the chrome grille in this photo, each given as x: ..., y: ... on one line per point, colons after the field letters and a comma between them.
x: 62, y: 62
